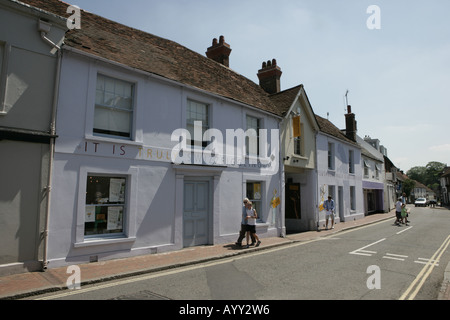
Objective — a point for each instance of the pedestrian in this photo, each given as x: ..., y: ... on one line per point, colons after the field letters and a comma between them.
x: 251, y: 223
x: 404, y: 214
x: 243, y: 230
x: 404, y: 198
x: 328, y: 205
x: 398, y: 211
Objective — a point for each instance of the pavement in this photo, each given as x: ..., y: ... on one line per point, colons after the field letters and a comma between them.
x: 25, y: 285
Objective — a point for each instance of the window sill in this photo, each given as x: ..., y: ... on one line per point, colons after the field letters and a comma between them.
x: 89, y: 137
x: 298, y: 156
x: 104, y: 241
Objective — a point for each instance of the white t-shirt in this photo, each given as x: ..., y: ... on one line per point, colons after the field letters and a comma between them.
x: 398, y: 206
x: 251, y: 213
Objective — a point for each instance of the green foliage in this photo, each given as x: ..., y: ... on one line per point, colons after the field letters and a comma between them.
x: 428, y: 175
x: 408, y: 186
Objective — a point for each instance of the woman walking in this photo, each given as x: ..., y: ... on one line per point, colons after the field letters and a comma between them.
x: 251, y: 223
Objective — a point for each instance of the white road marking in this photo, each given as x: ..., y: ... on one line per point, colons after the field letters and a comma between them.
x: 426, y: 261
x: 363, y: 252
x: 393, y: 256
x: 404, y: 230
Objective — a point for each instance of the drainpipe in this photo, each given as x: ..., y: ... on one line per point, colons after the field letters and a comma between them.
x: 44, y: 28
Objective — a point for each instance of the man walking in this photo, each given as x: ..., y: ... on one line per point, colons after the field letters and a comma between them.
x: 398, y: 211
x: 328, y: 205
x: 244, y: 226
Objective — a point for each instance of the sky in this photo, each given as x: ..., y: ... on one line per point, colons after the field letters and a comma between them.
x: 394, y: 60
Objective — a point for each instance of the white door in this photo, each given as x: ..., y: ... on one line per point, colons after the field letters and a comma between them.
x: 195, y: 214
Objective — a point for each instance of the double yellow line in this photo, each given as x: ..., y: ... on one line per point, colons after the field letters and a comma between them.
x: 418, y: 282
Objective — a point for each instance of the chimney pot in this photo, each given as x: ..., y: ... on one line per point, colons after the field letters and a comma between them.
x: 219, y: 52
x: 350, y: 124
x: 269, y: 76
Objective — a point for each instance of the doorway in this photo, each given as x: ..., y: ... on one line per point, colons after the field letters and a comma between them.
x: 196, y: 213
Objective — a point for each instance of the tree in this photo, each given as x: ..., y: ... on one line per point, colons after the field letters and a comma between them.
x: 408, y: 186
x: 433, y: 172
x: 428, y: 175
x: 418, y: 174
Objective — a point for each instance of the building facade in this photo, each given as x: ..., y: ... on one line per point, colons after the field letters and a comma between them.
x: 298, y: 149
x: 29, y: 62
x: 338, y: 170
x: 373, y: 177
x: 151, y: 158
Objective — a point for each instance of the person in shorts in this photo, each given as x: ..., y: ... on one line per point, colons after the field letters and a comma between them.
x: 398, y: 211
x: 328, y: 205
x: 243, y: 230
x: 251, y: 223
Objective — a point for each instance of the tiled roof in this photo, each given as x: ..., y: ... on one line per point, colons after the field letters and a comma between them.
x: 156, y: 55
x: 284, y: 99
x: 329, y: 128
x: 446, y: 172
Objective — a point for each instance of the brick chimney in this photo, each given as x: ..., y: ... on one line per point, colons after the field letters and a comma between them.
x: 269, y: 77
x: 220, y: 51
x: 350, y: 124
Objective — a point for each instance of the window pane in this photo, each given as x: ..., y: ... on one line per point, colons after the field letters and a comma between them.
x: 105, y: 205
x: 113, y: 107
x: 297, y: 146
x: 253, y: 147
x: 197, y: 111
x: 113, y: 122
x: 254, y: 194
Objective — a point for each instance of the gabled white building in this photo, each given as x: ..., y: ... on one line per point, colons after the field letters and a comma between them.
x: 298, y: 147
x: 339, y: 172
x: 155, y: 148
x: 373, y: 176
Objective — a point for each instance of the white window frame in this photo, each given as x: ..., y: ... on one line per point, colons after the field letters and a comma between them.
x: 366, y: 166
x: 331, y: 156
x: 130, y: 111
x: 102, y: 202
x: 248, y: 152
x: 352, y: 198
x: 189, y: 104
x: 260, y: 201
x: 129, y: 220
x: 332, y: 192
x: 96, y: 67
x: 351, y: 161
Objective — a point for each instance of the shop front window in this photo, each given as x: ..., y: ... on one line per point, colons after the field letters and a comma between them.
x: 105, y: 205
x: 254, y: 194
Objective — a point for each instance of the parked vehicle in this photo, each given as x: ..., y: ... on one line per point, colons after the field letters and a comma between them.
x: 420, y: 202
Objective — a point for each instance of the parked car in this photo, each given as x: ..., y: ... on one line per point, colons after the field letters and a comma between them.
x: 420, y: 202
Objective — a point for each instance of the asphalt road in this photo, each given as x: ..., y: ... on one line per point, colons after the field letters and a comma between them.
x: 376, y: 262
